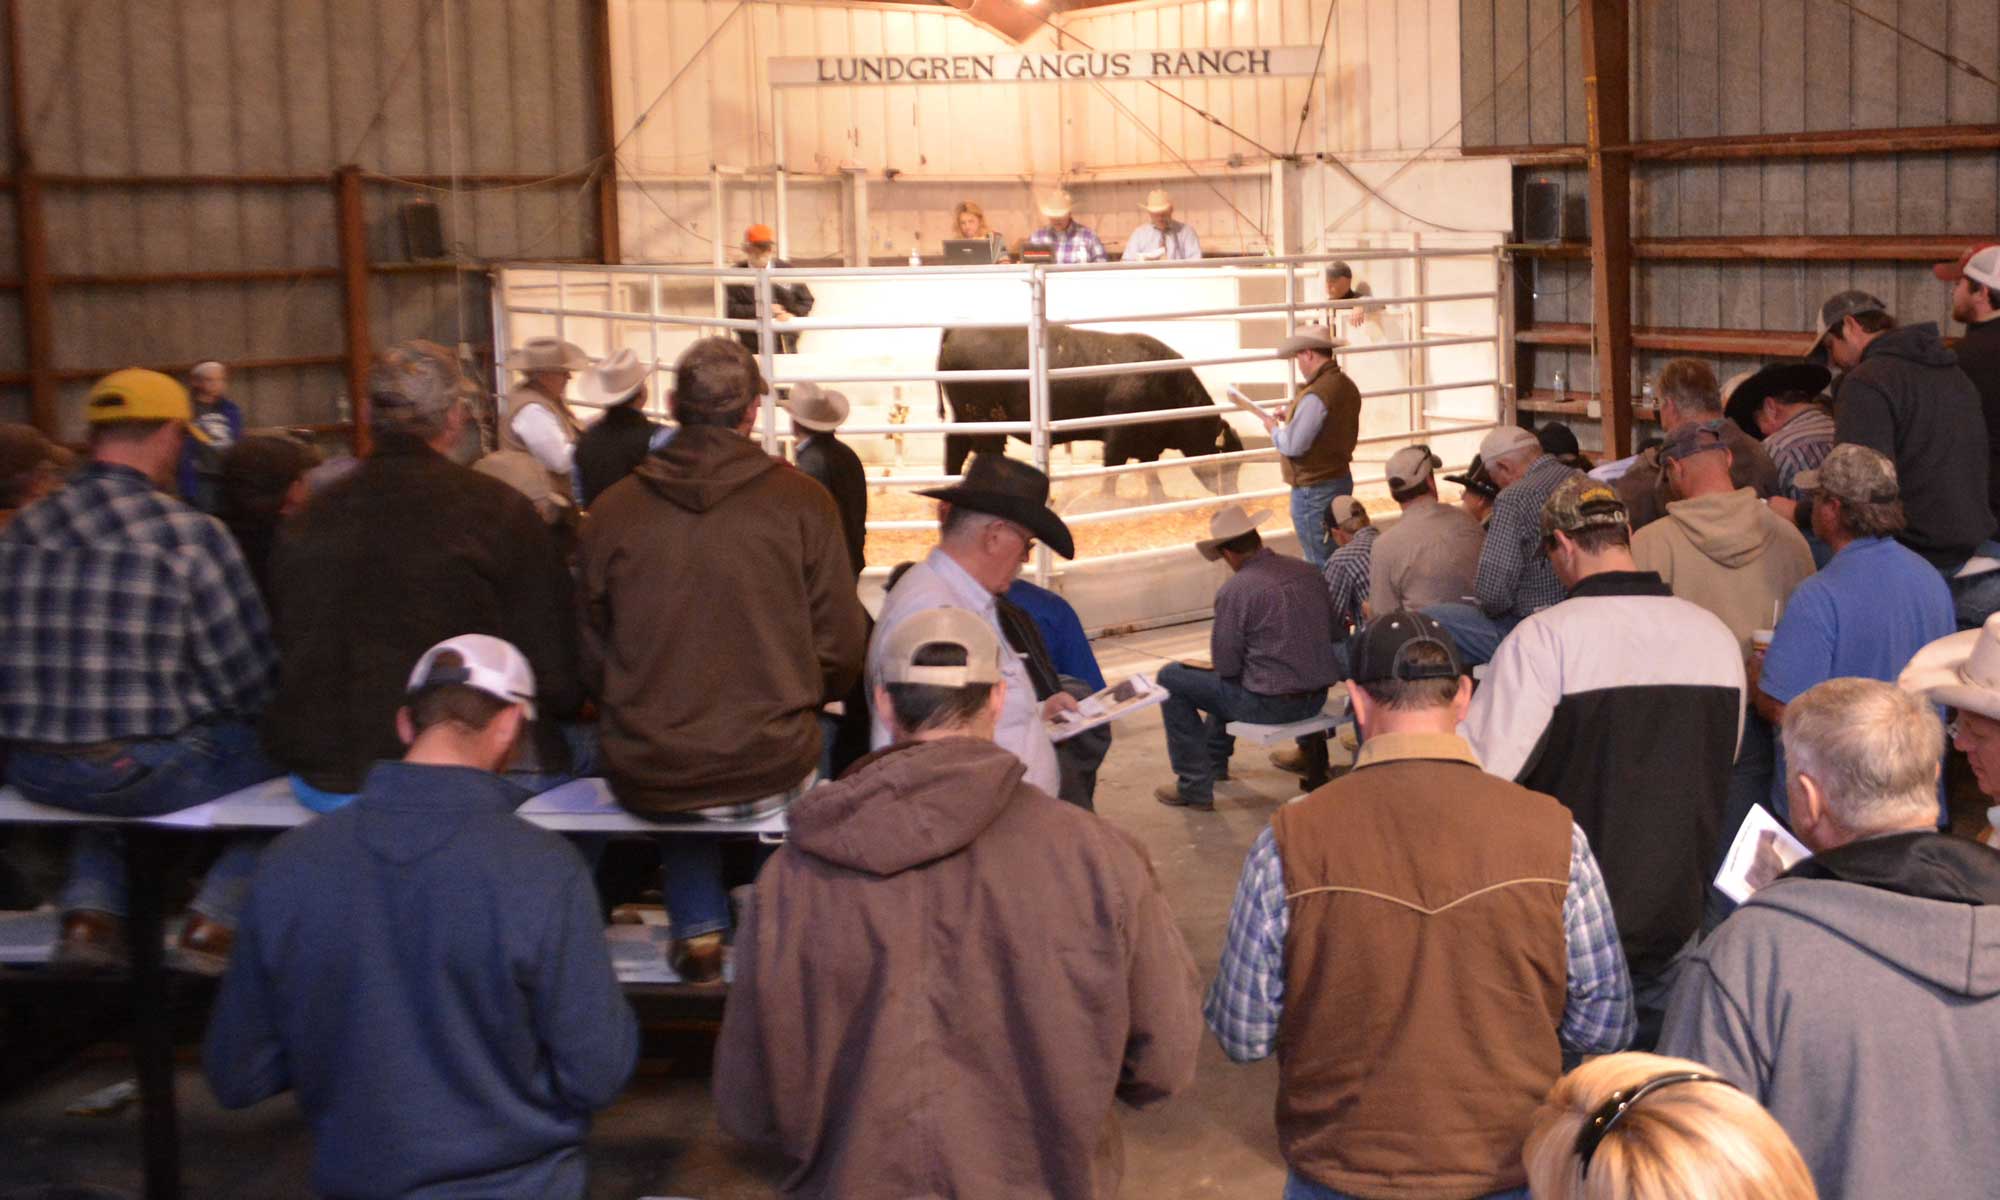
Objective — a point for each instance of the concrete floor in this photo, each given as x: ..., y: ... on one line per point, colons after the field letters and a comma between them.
x: 660, y: 1139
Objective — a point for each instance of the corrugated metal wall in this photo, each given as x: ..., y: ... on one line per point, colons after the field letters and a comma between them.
x: 1705, y: 68
x: 296, y: 88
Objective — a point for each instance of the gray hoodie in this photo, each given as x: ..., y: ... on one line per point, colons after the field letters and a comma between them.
x: 1858, y: 998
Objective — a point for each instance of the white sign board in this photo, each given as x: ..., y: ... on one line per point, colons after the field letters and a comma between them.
x: 1249, y: 62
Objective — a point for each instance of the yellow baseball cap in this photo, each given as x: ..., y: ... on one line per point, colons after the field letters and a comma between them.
x: 136, y: 394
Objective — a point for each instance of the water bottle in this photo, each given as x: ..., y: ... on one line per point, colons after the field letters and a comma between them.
x: 916, y: 259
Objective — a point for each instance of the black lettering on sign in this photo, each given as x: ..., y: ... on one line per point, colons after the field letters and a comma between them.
x: 819, y: 64
x: 1121, y: 64
x: 1211, y: 63
x: 1260, y: 62
x: 870, y: 68
x: 1160, y: 63
x: 1183, y: 65
x: 941, y: 68
x: 1232, y: 62
x: 982, y: 66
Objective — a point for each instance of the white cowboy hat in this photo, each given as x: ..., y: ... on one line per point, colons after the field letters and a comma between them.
x: 1229, y: 524
x: 1157, y: 201
x: 612, y: 379
x: 815, y: 408
x: 548, y: 354
x: 1960, y: 670
x: 1057, y: 204
x: 1309, y: 337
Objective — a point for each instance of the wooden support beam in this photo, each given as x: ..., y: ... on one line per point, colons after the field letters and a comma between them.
x: 1831, y: 248
x: 31, y: 239
x: 1607, y: 106
x: 1748, y: 343
x: 352, y: 232
x: 1833, y: 143
x: 608, y: 243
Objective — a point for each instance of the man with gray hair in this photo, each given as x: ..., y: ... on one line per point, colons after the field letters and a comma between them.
x: 1688, y: 395
x: 217, y: 425
x: 1858, y: 995
x: 410, y: 548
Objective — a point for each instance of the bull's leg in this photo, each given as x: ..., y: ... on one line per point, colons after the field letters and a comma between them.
x: 1156, y: 492
x: 957, y: 448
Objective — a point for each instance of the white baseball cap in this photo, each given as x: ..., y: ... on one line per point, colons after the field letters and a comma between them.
x: 1506, y: 440
x: 484, y: 663
x: 949, y: 626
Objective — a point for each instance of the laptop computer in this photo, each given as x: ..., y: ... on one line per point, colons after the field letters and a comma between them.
x: 968, y: 252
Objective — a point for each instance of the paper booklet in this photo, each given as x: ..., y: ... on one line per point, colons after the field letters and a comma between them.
x: 1762, y: 851
x: 1118, y: 700
x: 1245, y: 403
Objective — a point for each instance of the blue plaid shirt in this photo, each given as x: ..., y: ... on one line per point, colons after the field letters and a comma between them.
x: 1073, y: 245
x: 1346, y: 573
x: 1248, y: 995
x: 1514, y: 575
x: 124, y: 614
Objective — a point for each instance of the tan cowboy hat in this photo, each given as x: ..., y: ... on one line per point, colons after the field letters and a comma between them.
x: 1157, y: 201
x: 613, y: 379
x: 1057, y: 204
x: 1960, y: 670
x: 548, y: 354
x: 1226, y: 526
x: 815, y: 408
x: 1309, y: 337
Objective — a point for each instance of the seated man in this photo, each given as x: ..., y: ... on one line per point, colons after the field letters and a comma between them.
x: 1161, y: 237
x: 134, y: 657
x: 886, y: 1031
x: 1688, y: 395
x: 1431, y: 555
x: 426, y: 970
x: 1384, y: 980
x: 1351, y: 535
x: 1271, y: 651
x: 1856, y: 995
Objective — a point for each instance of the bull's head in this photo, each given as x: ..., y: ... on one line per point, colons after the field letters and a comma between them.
x: 1220, y: 478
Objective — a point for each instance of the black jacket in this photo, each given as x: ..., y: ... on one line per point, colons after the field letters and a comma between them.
x: 739, y: 301
x: 838, y: 469
x: 408, y: 550
x: 1908, y: 399
x: 1979, y: 357
x: 609, y: 450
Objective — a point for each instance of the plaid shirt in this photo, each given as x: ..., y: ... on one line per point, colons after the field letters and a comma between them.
x: 1073, y: 245
x: 1248, y: 995
x: 124, y: 614
x: 1346, y: 572
x: 1800, y: 444
x: 1514, y: 575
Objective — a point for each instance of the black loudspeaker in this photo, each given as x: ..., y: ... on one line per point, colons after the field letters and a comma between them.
x: 1541, y: 211
x: 423, y: 231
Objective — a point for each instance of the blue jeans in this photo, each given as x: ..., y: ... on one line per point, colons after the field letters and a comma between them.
x: 147, y: 779
x: 1309, y: 516
x: 691, y: 887
x: 1478, y: 636
x: 1298, y: 1187
x: 1198, y: 745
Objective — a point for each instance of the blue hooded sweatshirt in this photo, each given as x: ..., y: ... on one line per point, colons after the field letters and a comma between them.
x: 428, y: 972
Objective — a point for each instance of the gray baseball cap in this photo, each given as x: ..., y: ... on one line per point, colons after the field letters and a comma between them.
x: 947, y: 626
x: 1839, y: 307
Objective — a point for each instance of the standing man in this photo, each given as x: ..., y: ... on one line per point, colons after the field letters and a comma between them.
x: 1431, y: 555
x: 1975, y: 302
x: 719, y: 616
x: 881, y: 1031
x: 1316, y: 437
x: 987, y: 525
x: 217, y: 425
x: 1860, y: 991
x: 1340, y: 285
x: 1626, y: 704
x: 134, y: 657
x: 1780, y: 403
x: 1385, y: 980
x: 788, y: 300
x: 1069, y: 241
x: 832, y: 462
x: 1161, y: 237
x: 536, y: 420
x: 621, y: 438
x: 1688, y: 395
x: 468, y: 1023
x: 1271, y: 646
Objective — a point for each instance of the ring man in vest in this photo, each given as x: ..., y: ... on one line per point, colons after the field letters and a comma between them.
x: 1420, y: 942
x: 1316, y: 436
x: 536, y: 419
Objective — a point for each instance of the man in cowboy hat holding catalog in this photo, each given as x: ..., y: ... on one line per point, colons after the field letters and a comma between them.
x: 1316, y: 436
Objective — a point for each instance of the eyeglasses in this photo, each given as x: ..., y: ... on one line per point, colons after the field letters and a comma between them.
x: 1027, y: 539
x: 1614, y: 1108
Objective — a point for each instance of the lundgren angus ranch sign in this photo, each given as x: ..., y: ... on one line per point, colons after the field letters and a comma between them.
x: 1255, y: 62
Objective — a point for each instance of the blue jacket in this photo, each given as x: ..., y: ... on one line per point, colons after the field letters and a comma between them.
x: 428, y: 972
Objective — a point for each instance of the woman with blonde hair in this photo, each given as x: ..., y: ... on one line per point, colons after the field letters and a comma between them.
x: 1647, y: 1127
x: 969, y: 220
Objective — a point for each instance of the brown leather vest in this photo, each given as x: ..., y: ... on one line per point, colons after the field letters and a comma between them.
x: 1425, y: 976
x: 1330, y: 455
x: 528, y: 396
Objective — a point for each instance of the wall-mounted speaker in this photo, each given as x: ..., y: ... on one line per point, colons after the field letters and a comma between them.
x: 1542, y: 210
x: 423, y: 231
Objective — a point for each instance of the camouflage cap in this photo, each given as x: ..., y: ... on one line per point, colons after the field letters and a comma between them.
x: 1855, y: 474
x: 1582, y: 503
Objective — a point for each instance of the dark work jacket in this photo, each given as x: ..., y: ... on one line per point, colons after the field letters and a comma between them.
x: 739, y: 301
x: 1646, y: 490
x: 838, y: 469
x: 611, y: 449
x: 408, y: 550
x: 1979, y: 357
x: 1908, y: 399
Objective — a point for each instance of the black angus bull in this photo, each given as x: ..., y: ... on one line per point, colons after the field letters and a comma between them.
x: 1096, y: 396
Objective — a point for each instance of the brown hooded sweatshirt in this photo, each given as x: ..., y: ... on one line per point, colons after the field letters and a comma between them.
x: 944, y: 979
x: 719, y: 614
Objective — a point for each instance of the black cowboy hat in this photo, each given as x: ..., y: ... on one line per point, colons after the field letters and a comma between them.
x: 1776, y: 378
x: 1011, y: 490
x: 1475, y: 479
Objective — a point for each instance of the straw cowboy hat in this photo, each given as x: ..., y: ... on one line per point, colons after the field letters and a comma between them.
x: 548, y: 354
x: 1226, y: 526
x: 613, y: 379
x: 815, y: 408
x: 1011, y: 490
x: 1057, y: 204
x: 1309, y: 337
x: 1960, y: 670
x: 1157, y: 201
